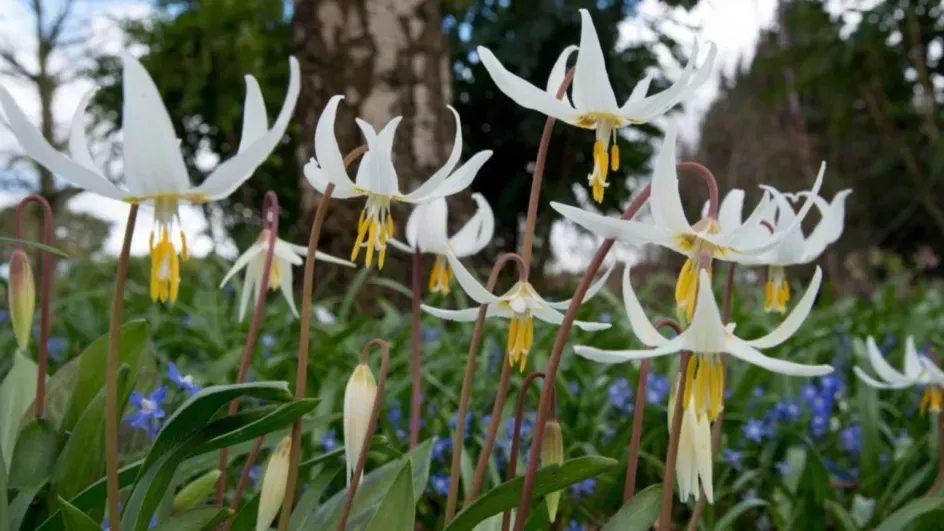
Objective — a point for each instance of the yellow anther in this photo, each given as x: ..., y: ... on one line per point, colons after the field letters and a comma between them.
x: 165, y: 270
x: 520, y: 339
x: 362, y: 225
x: 614, y: 157
x: 275, y: 275
x: 689, y: 379
x: 183, y: 247
x: 434, y: 277
x: 686, y: 288
x: 933, y: 396
x: 704, y: 381
x: 151, y: 241
x: 512, y: 333
x: 371, y: 241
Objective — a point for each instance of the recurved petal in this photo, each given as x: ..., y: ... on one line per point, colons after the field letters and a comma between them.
x: 622, y: 356
x: 741, y: 350
x: 325, y: 257
x: 327, y: 151
x: 871, y: 382
x: 455, y: 183
x: 231, y: 174
x: 152, y: 160
x: 913, y: 367
x: 591, y: 291
x: 431, y: 229
x: 440, y: 175
x: 376, y: 173
x: 592, y: 90
x: 882, y: 368
x: 320, y: 180
x: 729, y: 213
x: 559, y: 72
x: 792, y: 323
x: 400, y: 246
x: 642, y: 328
x: 469, y: 284
x: 253, y: 274
x: 477, y: 233
x: 665, y: 201
x: 629, y: 231
x: 42, y: 152
x: 242, y: 261
x: 640, y: 90
x: 467, y: 315
x: 255, y: 121
x: 78, y: 142
x: 524, y: 93
x: 703, y: 457
x: 287, y: 287
x: 706, y: 333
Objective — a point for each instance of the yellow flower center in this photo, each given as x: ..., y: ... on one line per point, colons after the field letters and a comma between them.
x: 704, y: 380
x: 520, y: 338
x: 605, y: 157
x: 777, y: 290
x: 165, y: 265
x: 376, y: 224
x: 441, y: 276
x: 686, y: 287
x: 932, y: 396
x: 275, y: 275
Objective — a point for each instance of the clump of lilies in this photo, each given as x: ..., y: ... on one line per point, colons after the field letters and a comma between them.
x: 771, y: 237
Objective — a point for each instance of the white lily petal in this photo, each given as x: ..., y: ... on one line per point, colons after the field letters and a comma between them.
x: 439, y: 176
x: 431, y: 231
x: 319, y: 180
x: 229, y: 175
x: 252, y: 271
x: 152, y: 160
x: 559, y: 72
x: 469, y: 284
x: 78, y: 142
x: 554, y: 317
x: 620, y: 356
x: 792, y: 323
x: 39, y: 149
x: 386, y: 135
x: 327, y: 151
x: 465, y: 316
x: 729, y: 213
x: 285, y: 251
x: 255, y: 121
x: 748, y: 231
x: 413, y: 225
x: 830, y: 227
x: 400, y: 246
x: 703, y: 456
x: 913, y: 366
x: 241, y: 262
x: 376, y: 173
x: 882, y: 368
x: 640, y: 324
x: 455, y: 183
x: 640, y: 90
x: 684, y: 465
x: 477, y: 233
x: 871, y: 382
x: 327, y: 258
x: 706, y: 333
x: 741, y: 350
x: 634, y: 232
x: 286, y: 286
x: 591, y: 291
x: 935, y: 374
x: 665, y: 201
x: 523, y: 93
x: 592, y: 90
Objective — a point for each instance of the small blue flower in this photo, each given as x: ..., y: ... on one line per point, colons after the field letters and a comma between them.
x: 821, y: 405
x: 329, y: 440
x: 440, y: 483
x: 254, y: 474
x: 150, y: 412
x: 787, y: 409
x: 732, y: 458
x: 440, y: 447
x: 749, y: 494
x: 183, y: 382
x: 267, y: 340
x: 809, y: 392
x: 783, y: 468
x: 575, y: 526
x: 818, y: 425
x: 468, y: 420
x: 395, y: 413
x: 4, y: 316
x: 56, y: 345
x: 754, y: 430
x: 657, y: 387
x: 850, y: 437
x: 583, y: 487
x: 758, y: 391
x: 620, y: 395
x: 574, y: 387
x: 831, y: 385
x: 430, y: 335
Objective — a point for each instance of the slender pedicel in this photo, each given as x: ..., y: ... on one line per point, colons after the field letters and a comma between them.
x: 668, y: 488
x: 301, y: 377
x: 415, y: 350
x: 500, y: 395
x: 378, y: 398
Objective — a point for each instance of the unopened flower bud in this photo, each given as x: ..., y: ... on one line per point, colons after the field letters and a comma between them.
x: 195, y: 492
x: 22, y: 295
x: 273, y: 485
x: 552, y: 453
x: 358, y: 405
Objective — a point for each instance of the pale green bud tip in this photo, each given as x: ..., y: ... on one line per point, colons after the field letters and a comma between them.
x: 22, y: 296
x: 359, y: 398
x: 273, y: 485
x: 195, y: 492
x: 552, y: 453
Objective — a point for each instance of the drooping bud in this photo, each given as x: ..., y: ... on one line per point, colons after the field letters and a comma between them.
x: 22, y: 297
x: 552, y: 453
x: 273, y: 485
x: 359, y: 398
x: 195, y: 492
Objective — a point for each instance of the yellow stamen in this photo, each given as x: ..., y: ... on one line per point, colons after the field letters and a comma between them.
x: 704, y: 380
x: 275, y: 275
x: 183, y: 247
x: 933, y: 397
x: 520, y: 339
x: 371, y: 241
x: 686, y: 289
x: 769, y: 296
x: 165, y: 269
x: 445, y: 279
x: 361, y: 232
x: 434, y: 277
x: 512, y: 335
x: 689, y: 378
x: 614, y: 157
x: 601, y: 165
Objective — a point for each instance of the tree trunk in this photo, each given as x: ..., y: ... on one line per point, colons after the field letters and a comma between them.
x: 388, y: 58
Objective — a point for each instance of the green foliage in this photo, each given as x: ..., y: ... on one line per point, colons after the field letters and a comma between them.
x: 397, y: 511
x: 639, y: 513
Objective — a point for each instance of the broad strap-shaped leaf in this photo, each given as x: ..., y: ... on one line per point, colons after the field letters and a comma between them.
x: 548, y: 479
x: 199, y: 519
x: 397, y: 511
x: 639, y: 513
x: 309, y: 501
x: 17, y: 390
x: 902, y: 518
x: 4, y: 509
x: 34, y: 456
x: 76, y: 520
x: 730, y: 517
x: 29, y: 243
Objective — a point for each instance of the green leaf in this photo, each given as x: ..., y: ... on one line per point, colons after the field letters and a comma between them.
x: 195, y: 492
x: 639, y: 513
x: 196, y: 519
x: 152, y: 482
x: 76, y: 520
x: 4, y: 509
x: 34, y: 456
x: 309, y: 501
x: 901, y: 518
x: 397, y: 511
x: 548, y: 479
x: 16, y: 394
x: 82, y: 460
x: 90, y: 369
x: 842, y: 516
x: 871, y: 436
x: 36, y: 245
x: 371, y: 490
x: 727, y: 521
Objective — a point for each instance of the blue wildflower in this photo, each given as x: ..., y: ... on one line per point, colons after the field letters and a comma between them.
x: 395, y: 413
x: 430, y: 335
x: 55, y: 346
x: 657, y: 387
x: 574, y: 525
x: 821, y: 405
x: 754, y: 430
x: 583, y: 487
x: 150, y: 412
x: 850, y: 437
x: 809, y: 392
x: 468, y: 421
x: 620, y: 394
x: 329, y: 440
x: 818, y: 425
x: 831, y: 385
x: 267, y: 340
x: 183, y: 382
x: 440, y: 483
x: 440, y: 447
x: 783, y: 468
x: 254, y: 474
x: 758, y: 391
x: 574, y: 387
x: 732, y: 458
x: 4, y: 316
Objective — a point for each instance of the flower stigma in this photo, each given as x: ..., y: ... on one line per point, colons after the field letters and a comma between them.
x: 777, y: 290
x: 376, y: 224
x: 441, y: 276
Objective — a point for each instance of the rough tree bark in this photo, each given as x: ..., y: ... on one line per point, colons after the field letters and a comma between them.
x: 388, y: 58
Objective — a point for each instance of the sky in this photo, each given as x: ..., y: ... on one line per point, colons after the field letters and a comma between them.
x: 733, y: 25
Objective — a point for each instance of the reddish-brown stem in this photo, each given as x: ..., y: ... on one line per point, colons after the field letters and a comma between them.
x: 474, y: 346
x: 415, y: 350
x: 632, y: 460
x: 243, y: 480
x: 516, y: 436
x: 538, y: 175
x: 301, y: 376
x: 940, y: 458
x: 111, y: 375
x: 45, y: 294
x: 716, y: 428
x: 668, y: 490
x: 709, y: 179
x: 270, y: 223
x: 375, y: 412
x: 500, y: 395
x: 557, y: 351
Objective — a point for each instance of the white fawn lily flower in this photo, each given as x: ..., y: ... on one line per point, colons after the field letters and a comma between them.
x: 669, y: 228
x: 919, y: 370
x: 426, y: 229
x: 707, y: 337
x: 521, y: 304
x: 594, y: 103
x: 377, y: 179
x: 154, y: 169
x: 285, y: 256
x: 694, y: 460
